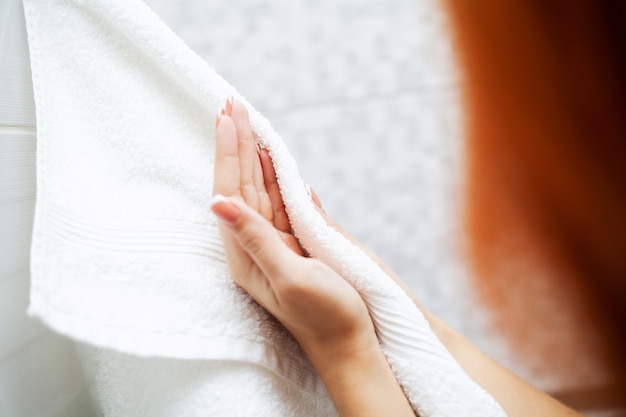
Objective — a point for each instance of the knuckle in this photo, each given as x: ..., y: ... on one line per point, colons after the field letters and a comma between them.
x: 249, y: 189
x: 251, y: 199
x: 265, y: 206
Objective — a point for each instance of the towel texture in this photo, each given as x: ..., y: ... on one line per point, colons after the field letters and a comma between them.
x: 131, y: 386
x: 125, y: 254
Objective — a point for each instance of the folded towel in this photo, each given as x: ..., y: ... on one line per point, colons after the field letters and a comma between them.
x: 127, y: 385
x: 126, y: 254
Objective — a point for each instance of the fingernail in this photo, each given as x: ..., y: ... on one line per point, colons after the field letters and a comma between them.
x: 313, y: 196
x: 258, y: 148
x: 229, y: 104
x: 218, y: 118
x: 308, y: 189
x: 224, y: 209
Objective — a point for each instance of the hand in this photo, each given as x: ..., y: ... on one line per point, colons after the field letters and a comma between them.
x: 323, y: 312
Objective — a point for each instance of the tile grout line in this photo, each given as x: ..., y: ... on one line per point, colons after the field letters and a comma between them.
x: 420, y: 92
x: 18, y: 129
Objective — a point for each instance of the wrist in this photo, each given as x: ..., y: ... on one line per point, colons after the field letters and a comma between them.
x: 331, y: 356
x: 360, y: 381
x: 347, y: 360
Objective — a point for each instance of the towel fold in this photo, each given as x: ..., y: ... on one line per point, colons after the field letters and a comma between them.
x: 125, y: 252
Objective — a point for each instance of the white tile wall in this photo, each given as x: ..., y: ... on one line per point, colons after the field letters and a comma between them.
x: 39, y: 371
x: 17, y: 106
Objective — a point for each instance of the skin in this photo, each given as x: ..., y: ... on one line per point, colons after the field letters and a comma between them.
x: 324, y: 313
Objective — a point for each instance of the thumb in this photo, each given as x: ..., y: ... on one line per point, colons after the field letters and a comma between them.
x: 255, y: 235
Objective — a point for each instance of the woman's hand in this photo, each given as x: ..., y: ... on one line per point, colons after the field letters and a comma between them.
x: 325, y: 314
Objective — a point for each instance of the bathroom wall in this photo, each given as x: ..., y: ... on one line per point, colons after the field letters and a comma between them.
x: 39, y: 371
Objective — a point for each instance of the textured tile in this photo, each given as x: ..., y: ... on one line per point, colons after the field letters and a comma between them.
x: 17, y: 106
x: 18, y: 330
x: 283, y: 54
x: 17, y: 199
x: 42, y: 379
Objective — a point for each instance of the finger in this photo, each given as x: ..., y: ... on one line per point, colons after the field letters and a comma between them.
x: 220, y: 113
x: 239, y: 263
x: 311, y: 192
x: 261, y: 242
x: 280, y: 218
x: 248, y: 155
x: 265, y: 205
x: 293, y: 244
x: 226, y: 179
x: 241, y: 266
x: 228, y: 106
x: 265, y: 202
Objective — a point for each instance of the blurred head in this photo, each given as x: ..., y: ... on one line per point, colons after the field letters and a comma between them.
x: 545, y: 100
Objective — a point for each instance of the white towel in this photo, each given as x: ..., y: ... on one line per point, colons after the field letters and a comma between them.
x: 125, y: 252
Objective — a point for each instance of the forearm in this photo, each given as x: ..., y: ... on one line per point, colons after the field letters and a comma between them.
x: 515, y: 396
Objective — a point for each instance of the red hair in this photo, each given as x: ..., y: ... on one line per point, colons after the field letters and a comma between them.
x: 545, y: 99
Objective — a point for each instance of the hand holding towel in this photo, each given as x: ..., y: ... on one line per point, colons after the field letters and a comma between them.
x: 125, y: 252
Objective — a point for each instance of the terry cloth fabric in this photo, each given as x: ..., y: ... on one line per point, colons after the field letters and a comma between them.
x: 127, y: 385
x: 125, y: 252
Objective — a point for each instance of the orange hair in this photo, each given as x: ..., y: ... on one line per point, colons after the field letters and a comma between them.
x: 545, y: 99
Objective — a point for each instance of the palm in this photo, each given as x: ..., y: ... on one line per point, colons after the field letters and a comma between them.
x: 315, y: 303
